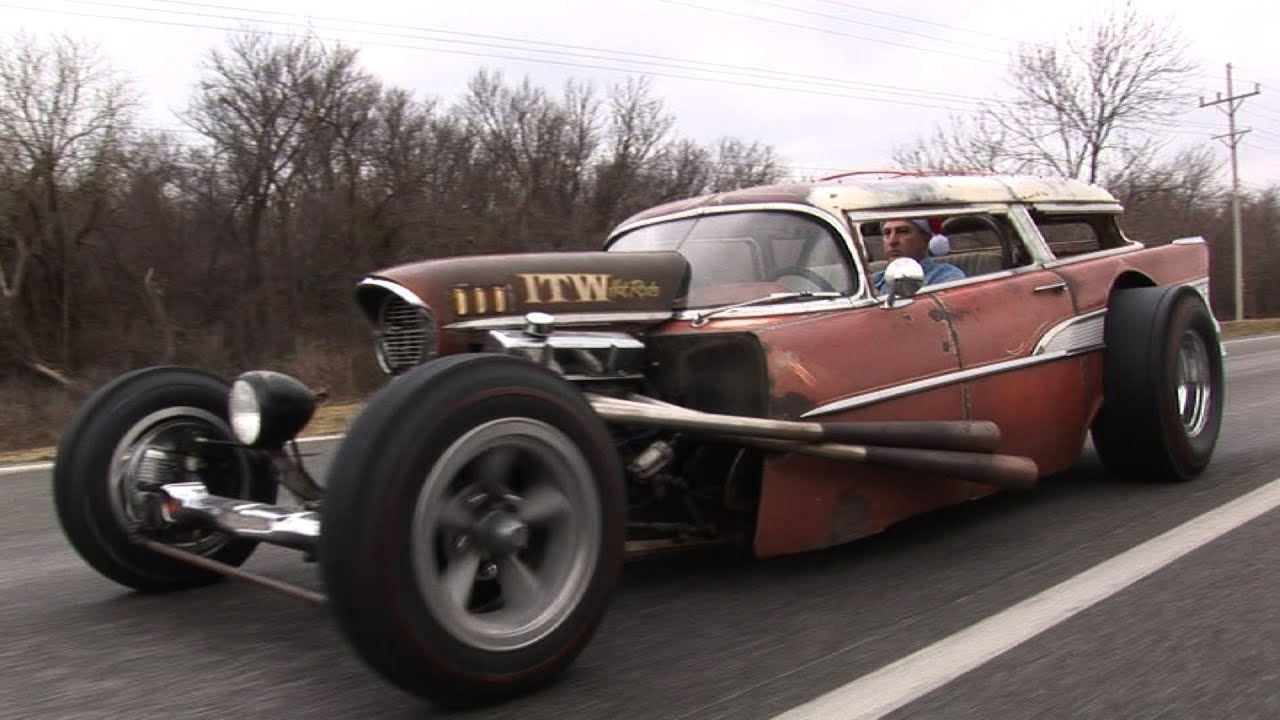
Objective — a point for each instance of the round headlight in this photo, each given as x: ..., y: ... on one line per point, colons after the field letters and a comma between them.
x: 246, y: 416
x: 267, y: 409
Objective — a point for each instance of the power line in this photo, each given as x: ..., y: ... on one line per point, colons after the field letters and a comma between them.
x: 861, y: 8
x: 828, y: 16
x: 960, y: 104
x: 750, y: 71
x: 955, y: 103
x: 1264, y: 110
x: 473, y: 53
x: 609, y: 51
x: 829, y: 31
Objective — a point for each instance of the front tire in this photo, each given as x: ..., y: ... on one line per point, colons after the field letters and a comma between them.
x: 150, y: 426
x: 1163, y: 389
x: 473, y: 529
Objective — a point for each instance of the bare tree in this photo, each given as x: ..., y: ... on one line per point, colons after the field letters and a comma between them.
x: 63, y: 116
x: 1261, y: 216
x: 1076, y: 107
x: 738, y: 164
x: 638, y: 125
x: 281, y: 116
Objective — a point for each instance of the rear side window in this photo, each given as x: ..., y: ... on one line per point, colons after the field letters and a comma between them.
x: 1069, y: 235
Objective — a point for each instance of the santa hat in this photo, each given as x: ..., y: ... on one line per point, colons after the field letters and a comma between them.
x: 939, y: 244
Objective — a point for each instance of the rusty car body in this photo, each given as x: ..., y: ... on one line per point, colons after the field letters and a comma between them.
x: 723, y: 371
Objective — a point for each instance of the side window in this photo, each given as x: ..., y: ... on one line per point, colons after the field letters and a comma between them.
x: 976, y: 243
x: 810, y: 261
x: 1077, y: 234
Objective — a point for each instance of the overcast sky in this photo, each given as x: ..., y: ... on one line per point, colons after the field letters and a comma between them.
x: 914, y: 63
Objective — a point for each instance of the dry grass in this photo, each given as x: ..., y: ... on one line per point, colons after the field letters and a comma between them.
x: 1244, y: 328
x: 334, y: 417
x: 32, y: 418
x: 328, y: 420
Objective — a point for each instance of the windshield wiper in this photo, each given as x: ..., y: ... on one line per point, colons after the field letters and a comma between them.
x: 701, y: 318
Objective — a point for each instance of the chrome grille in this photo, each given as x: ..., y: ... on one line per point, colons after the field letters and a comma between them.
x: 405, y: 337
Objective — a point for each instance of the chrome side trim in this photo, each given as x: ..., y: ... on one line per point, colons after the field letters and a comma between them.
x: 1195, y: 240
x: 1058, y: 208
x: 932, y: 383
x: 1076, y: 336
x: 517, y: 321
x: 394, y: 288
x: 779, y: 308
x: 1082, y: 333
x: 864, y: 215
x: 820, y: 213
x: 1031, y: 236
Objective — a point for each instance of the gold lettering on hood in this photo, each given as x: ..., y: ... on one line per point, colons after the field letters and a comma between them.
x: 566, y: 287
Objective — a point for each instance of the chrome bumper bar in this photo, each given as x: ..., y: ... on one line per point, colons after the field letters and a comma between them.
x: 190, y: 502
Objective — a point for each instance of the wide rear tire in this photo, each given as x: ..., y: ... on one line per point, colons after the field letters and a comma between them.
x: 473, y: 529
x: 1163, y: 389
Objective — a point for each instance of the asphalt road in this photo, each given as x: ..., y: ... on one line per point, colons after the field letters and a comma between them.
x: 727, y: 637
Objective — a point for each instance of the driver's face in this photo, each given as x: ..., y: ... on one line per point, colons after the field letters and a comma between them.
x: 903, y: 238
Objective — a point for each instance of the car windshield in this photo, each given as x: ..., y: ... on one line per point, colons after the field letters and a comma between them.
x: 736, y: 256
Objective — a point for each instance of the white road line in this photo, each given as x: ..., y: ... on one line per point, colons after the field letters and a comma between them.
x: 31, y: 467
x: 1253, y: 338
x: 901, y: 682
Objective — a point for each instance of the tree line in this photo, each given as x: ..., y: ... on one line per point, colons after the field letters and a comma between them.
x: 236, y: 243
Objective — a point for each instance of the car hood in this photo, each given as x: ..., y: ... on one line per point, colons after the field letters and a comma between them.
x: 495, y: 286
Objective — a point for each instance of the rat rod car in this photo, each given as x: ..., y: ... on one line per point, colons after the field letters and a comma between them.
x: 723, y: 371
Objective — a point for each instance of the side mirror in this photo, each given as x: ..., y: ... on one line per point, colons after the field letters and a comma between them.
x: 903, y: 277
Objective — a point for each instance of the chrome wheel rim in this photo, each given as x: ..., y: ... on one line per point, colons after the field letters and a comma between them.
x: 506, y: 531
x: 166, y: 447
x: 1194, y: 388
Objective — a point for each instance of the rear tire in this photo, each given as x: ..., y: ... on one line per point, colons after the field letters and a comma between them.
x: 147, y: 423
x: 1163, y: 389
x: 473, y: 529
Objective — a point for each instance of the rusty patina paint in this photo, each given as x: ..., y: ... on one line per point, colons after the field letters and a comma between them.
x: 1040, y: 409
x: 1092, y: 279
x: 809, y: 503
x: 829, y: 356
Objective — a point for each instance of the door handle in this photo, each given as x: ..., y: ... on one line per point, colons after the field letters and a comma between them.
x: 1051, y: 287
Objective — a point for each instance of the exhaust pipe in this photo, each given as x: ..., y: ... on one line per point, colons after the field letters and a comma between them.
x: 1008, y: 472
x: 959, y: 435
x: 960, y: 449
x: 190, y: 502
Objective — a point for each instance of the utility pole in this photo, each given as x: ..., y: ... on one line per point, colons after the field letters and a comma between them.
x: 1232, y: 139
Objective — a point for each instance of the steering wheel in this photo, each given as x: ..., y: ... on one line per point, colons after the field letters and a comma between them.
x: 806, y: 273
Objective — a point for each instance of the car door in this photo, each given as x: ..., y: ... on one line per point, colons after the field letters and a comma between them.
x: 866, y: 362
x: 1015, y: 353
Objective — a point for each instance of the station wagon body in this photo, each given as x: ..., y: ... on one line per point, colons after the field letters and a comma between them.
x: 724, y: 370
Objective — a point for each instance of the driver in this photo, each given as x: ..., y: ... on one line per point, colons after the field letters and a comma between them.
x: 910, y: 238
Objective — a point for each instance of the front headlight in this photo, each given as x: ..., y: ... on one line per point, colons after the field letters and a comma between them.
x: 267, y: 409
x: 246, y: 417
